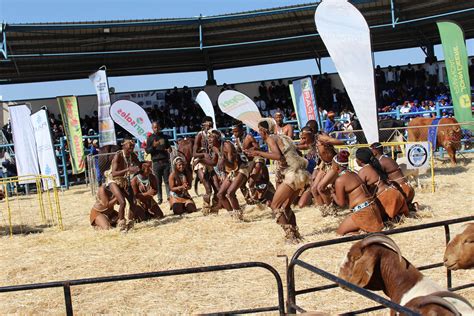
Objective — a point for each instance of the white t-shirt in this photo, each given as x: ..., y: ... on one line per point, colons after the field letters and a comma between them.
x: 390, y: 75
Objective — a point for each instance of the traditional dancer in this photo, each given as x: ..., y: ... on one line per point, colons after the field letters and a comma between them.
x: 144, y: 187
x: 180, y: 183
x: 323, y: 175
x: 201, y: 149
x: 281, y: 127
x: 103, y: 215
x: 124, y: 165
x: 350, y: 190
x: 395, y: 174
x: 205, y: 164
x: 392, y: 201
x: 293, y: 169
x: 308, y: 143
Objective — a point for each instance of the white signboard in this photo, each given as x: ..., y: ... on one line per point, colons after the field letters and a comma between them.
x: 240, y: 107
x: 346, y: 35
x: 206, y: 105
x: 24, y: 143
x: 45, y: 149
x: 132, y: 118
x: 418, y: 155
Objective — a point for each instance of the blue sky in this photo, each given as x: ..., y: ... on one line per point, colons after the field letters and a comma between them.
x: 27, y: 11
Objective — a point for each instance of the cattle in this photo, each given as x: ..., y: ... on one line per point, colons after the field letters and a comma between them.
x: 448, y: 136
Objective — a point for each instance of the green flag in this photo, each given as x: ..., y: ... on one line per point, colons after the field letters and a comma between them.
x: 72, y: 129
x: 455, y: 56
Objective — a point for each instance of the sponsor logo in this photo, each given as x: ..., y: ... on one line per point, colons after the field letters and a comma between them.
x: 233, y: 102
x: 136, y: 124
x: 465, y: 101
x: 417, y: 155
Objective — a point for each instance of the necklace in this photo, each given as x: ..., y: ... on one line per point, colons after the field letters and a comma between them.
x: 343, y: 172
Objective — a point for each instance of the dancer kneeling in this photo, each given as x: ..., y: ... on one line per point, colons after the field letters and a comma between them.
x: 103, y: 215
x: 180, y: 182
x: 350, y: 190
x: 292, y: 167
x: 144, y: 186
x: 391, y: 200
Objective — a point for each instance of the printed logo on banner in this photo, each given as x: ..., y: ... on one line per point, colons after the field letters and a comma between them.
x: 132, y: 118
x: 417, y: 155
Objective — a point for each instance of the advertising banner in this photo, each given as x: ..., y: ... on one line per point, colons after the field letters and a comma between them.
x: 45, y: 149
x: 455, y: 56
x: 206, y: 105
x: 347, y: 40
x: 132, y: 118
x: 72, y: 129
x: 304, y: 101
x: 418, y: 155
x: 106, y: 125
x: 240, y: 107
x: 24, y: 145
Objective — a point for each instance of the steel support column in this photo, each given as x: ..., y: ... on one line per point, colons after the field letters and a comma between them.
x: 392, y: 10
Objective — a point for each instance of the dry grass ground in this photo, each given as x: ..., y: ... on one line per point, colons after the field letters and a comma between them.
x: 194, y: 240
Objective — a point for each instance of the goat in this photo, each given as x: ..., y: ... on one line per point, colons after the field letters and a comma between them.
x: 438, y: 303
x: 459, y: 252
x: 376, y: 263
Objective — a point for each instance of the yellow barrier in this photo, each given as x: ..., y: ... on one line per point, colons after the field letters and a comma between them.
x: 48, y: 207
x: 352, y: 149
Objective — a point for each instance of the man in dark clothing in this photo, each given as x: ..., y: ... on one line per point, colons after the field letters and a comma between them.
x: 159, y: 148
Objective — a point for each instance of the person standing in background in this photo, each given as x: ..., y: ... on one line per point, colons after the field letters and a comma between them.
x: 159, y: 148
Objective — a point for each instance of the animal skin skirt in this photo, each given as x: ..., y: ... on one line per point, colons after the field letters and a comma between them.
x: 393, y: 202
x: 368, y: 218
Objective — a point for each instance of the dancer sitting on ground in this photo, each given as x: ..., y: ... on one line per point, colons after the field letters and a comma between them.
x: 201, y: 150
x: 144, y: 186
x: 124, y: 166
x: 394, y: 173
x: 292, y: 167
x: 392, y: 201
x: 103, y: 215
x: 180, y: 182
x: 350, y: 190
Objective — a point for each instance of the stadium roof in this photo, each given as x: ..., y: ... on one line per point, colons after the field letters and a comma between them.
x: 60, y: 51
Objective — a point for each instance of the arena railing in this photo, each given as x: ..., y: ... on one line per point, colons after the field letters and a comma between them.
x: 66, y: 285
x: 292, y: 306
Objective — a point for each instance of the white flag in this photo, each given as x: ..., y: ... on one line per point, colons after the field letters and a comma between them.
x: 346, y: 35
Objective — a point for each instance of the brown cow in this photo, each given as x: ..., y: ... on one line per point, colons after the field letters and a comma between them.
x: 449, y: 137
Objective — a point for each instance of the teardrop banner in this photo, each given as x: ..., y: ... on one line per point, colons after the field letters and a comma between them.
x: 132, y: 118
x: 240, y: 107
x: 206, y: 105
x: 347, y: 40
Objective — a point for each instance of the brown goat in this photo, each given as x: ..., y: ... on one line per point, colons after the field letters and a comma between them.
x: 376, y: 263
x: 459, y: 253
x: 430, y: 305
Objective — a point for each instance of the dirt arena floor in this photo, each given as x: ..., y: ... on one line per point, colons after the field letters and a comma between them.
x: 194, y: 240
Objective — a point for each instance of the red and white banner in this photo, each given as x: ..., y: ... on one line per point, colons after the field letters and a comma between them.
x: 346, y: 35
x: 132, y: 118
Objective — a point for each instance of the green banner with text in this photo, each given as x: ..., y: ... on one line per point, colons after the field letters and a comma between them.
x: 72, y: 129
x: 455, y: 56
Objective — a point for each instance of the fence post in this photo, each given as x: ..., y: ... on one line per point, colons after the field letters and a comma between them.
x: 174, y: 133
x: 398, y: 113
x: 63, y: 161
x: 438, y: 110
x: 67, y: 299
